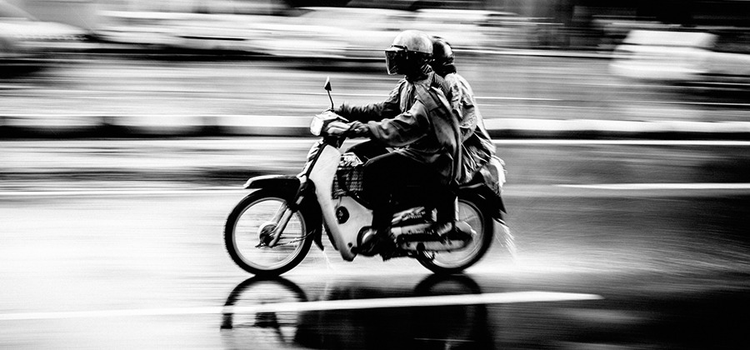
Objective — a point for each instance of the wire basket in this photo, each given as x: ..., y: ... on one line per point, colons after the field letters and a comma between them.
x: 348, y: 179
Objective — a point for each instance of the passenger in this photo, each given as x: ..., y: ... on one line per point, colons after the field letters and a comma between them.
x: 478, y: 148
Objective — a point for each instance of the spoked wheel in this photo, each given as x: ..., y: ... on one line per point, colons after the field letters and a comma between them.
x: 249, y: 239
x: 459, y: 260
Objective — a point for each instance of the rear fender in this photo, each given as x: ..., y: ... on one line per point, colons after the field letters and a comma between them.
x: 488, y: 200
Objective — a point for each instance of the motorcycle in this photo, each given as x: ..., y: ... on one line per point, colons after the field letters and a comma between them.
x: 271, y: 230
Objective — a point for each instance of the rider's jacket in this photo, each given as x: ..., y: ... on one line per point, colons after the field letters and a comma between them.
x: 417, y: 119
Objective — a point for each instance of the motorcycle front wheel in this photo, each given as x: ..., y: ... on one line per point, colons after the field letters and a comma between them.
x: 247, y: 232
x: 459, y: 260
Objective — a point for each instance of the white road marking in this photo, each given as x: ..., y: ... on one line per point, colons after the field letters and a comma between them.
x: 239, y: 190
x: 354, y: 304
x: 663, y: 186
x: 625, y: 142
x: 122, y: 192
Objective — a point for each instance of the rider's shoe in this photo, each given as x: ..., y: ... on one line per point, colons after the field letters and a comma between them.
x: 377, y: 241
x: 384, y: 245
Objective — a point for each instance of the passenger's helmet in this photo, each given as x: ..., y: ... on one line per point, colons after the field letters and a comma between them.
x: 442, y: 53
x: 410, y: 51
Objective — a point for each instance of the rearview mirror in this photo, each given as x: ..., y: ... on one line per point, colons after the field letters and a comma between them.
x: 328, y: 88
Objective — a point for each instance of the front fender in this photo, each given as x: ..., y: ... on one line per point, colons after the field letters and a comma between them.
x: 290, y: 182
x: 292, y: 186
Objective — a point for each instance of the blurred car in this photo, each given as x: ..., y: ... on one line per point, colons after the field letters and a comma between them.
x: 27, y: 40
x: 681, y: 57
x: 463, y: 29
x: 332, y: 32
x: 143, y: 28
x: 219, y: 32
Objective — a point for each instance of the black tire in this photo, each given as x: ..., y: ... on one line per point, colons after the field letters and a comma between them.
x: 458, y: 261
x: 242, y: 235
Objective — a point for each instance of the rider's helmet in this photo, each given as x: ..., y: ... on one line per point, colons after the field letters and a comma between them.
x: 442, y: 56
x: 410, y: 51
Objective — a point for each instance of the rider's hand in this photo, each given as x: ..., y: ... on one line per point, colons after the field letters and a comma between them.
x: 338, y: 128
x: 359, y: 129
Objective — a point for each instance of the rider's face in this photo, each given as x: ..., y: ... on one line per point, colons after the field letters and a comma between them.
x: 396, y: 60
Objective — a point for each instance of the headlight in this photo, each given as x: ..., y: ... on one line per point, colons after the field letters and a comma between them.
x: 316, y: 126
x: 320, y: 121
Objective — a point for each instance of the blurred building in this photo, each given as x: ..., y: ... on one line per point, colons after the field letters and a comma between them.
x: 583, y: 23
x: 575, y: 24
x: 78, y: 13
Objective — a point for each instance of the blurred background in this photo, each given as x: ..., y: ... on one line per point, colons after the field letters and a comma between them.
x: 127, y: 128
x: 632, y: 60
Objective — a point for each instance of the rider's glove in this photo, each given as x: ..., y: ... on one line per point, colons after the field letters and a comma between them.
x: 338, y: 128
x: 358, y: 129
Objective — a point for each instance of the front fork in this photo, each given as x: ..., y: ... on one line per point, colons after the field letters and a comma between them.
x: 280, y: 220
x: 305, y: 188
x: 284, y: 214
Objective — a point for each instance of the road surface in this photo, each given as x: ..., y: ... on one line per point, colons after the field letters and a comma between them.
x: 605, y: 259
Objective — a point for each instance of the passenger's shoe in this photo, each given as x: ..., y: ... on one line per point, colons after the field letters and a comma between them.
x: 453, y: 230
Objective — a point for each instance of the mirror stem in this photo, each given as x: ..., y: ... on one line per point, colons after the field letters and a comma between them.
x: 328, y: 89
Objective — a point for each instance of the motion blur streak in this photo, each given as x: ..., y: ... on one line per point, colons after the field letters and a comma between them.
x: 129, y: 127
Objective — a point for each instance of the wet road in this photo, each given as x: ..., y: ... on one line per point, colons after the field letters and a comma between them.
x: 660, y: 266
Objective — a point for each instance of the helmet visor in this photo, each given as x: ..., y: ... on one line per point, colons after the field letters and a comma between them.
x: 395, y: 59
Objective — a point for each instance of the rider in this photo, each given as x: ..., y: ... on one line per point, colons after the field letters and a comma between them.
x: 478, y: 147
x: 415, y: 119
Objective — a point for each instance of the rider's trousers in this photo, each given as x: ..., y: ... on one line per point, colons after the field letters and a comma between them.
x: 412, y: 182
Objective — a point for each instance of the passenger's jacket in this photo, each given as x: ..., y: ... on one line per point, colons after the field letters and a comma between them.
x: 477, y: 146
x: 417, y: 119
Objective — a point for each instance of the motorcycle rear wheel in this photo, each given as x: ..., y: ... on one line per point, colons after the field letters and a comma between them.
x: 456, y: 261
x: 246, y: 227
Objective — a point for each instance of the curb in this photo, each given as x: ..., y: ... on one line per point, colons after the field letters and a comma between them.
x: 125, y: 126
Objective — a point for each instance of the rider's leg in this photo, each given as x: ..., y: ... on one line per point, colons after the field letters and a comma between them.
x: 368, y: 149
x: 394, y: 173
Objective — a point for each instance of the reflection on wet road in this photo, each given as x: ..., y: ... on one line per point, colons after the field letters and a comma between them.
x: 359, y: 328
